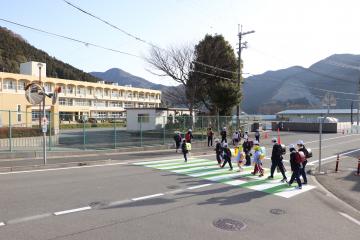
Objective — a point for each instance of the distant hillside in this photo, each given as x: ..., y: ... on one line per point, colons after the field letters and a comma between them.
x: 294, y: 87
x: 15, y: 50
x: 124, y: 78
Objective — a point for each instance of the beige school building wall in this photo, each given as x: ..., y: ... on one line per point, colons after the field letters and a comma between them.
x: 76, y: 100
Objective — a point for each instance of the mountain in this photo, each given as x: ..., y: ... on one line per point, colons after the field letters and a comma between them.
x: 15, y: 50
x: 124, y: 78
x: 298, y: 87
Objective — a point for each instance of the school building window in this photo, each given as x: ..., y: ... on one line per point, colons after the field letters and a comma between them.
x: 143, y: 118
x: 18, y: 112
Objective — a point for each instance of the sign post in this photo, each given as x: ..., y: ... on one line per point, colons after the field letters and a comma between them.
x: 35, y: 94
x: 328, y: 101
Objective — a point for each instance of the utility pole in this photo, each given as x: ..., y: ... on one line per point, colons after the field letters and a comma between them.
x: 241, y: 46
x: 358, y: 108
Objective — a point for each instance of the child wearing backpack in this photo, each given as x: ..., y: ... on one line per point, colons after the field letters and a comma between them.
x: 177, y: 139
x: 258, y: 157
x: 189, y: 136
x: 218, y: 150
x: 184, y: 149
x: 295, y: 161
x: 227, y: 156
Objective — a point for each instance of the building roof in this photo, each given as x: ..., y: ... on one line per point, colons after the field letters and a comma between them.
x: 159, y: 109
x: 316, y: 111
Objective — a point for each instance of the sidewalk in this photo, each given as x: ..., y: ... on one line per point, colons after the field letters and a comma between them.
x: 343, y: 184
x: 61, y: 159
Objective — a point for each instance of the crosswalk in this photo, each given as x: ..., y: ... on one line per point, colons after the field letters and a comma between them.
x: 209, y: 170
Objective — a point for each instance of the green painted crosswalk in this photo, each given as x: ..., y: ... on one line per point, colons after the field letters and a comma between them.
x: 209, y: 170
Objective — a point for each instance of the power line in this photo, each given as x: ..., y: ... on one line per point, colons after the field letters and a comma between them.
x: 213, y: 75
x: 70, y: 38
x: 134, y: 36
x: 94, y: 45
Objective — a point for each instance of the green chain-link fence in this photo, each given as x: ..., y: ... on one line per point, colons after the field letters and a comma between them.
x: 22, y: 130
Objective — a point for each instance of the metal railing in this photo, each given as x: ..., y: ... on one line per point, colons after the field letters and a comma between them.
x: 20, y: 131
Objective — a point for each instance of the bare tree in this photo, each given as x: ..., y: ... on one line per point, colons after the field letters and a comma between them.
x: 176, y: 64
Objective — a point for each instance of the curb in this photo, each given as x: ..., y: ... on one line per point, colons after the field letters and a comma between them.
x: 313, y: 173
x: 77, y: 164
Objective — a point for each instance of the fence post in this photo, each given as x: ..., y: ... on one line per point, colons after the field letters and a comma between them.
x: 183, y: 117
x: 84, y: 136
x: 141, y: 135
x: 164, y: 133
x: 10, y: 132
x: 115, y: 134
x: 50, y: 122
x: 202, y: 128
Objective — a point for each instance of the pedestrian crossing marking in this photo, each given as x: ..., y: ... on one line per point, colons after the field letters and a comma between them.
x: 209, y: 170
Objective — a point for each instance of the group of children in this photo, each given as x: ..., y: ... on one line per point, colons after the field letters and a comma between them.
x: 242, y: 154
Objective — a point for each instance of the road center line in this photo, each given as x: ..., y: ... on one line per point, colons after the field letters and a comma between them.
x: 199, y: 186
x: 25, y: 219
x: 334, y: 156
x: 147, y: 197
x: 66, y: 168
x: 72, y: 210
x: 350, y: 218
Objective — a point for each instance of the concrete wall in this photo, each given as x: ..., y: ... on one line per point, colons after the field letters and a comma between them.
x: 304, y: 127
x: 132, y: 123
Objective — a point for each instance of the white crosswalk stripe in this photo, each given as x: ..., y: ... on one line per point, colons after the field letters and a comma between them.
x: 194, y: 169
x: 178, y: 163
x: 291, y: 192
x: 271, y: 184
x: 209, y: 170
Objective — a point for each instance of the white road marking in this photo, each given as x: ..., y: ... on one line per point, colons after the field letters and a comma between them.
x: 184, y: 165
x: 67, y: 168
x: 219, y: 170
x: 194, y: 168
x: 350, y: 218
x: 147, y: 197
x: 264, y: 186
x: 158, y: 161
x: 174, y: 163
x: 116, y: 203
x: 334, y: 156
x: 199, y: 186
x: 30, y: 218
x: 72, y: 210
x: 235, y: 182
x: 2, y: 224
x: 327, y: 139
x: 290, y: 192
x: 232, y: 175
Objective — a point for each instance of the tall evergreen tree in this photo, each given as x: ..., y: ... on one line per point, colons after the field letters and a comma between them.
x: 217, y: 89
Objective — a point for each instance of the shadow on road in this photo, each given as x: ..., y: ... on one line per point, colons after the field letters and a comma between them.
x: 142, y: 203
x: 235, y: 199
x: 353, y: 178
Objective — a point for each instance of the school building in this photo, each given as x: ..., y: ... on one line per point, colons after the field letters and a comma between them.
x: 78, y: 99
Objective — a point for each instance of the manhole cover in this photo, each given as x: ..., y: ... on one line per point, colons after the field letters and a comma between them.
x: 277, y: 211
x: 229, y: 224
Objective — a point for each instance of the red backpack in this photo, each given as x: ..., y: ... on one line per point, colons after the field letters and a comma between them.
x: 187, y: 137
x: 300, y: 157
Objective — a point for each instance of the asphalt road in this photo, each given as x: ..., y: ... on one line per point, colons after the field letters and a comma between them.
x: 127, y: 201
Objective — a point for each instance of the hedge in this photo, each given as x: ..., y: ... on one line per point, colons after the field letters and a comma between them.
x: 19, y: 132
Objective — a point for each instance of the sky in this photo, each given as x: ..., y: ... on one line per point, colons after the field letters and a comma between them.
x: 287, y: 32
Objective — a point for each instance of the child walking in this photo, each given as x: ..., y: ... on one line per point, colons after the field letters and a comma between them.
x: 257, y: 160
x: 227, y: 156
x: 218, y: 150
x: 184, y: 149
